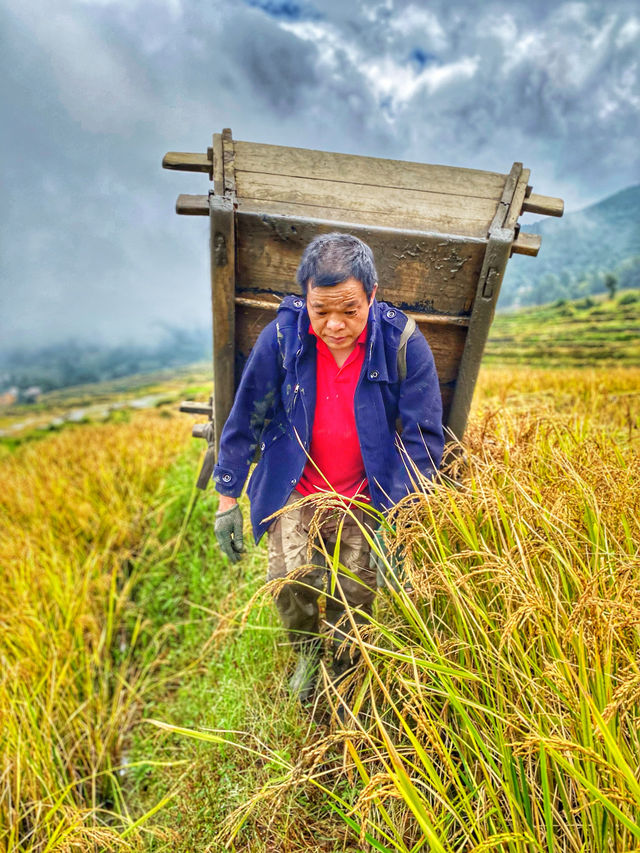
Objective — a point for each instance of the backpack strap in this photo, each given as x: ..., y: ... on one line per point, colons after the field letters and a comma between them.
x: 408, y: 330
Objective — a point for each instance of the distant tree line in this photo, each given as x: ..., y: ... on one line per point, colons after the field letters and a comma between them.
x: 76, y: 363
x: 569, y: 285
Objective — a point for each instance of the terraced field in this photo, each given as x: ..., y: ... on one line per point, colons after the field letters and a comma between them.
x: 594, y: 331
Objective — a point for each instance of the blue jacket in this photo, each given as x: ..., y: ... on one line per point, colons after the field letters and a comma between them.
x: 275, y: 403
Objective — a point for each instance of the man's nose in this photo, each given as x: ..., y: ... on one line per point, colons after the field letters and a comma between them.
x: 335, y: 323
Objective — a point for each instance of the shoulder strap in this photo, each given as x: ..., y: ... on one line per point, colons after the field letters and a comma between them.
x: 402, y: 349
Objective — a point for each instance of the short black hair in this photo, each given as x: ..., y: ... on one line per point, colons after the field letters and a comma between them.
x: 332, y: 258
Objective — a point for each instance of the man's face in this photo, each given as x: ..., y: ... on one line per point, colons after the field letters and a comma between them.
x: 338, y: 314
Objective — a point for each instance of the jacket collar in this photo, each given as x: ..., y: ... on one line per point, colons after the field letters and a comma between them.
x: 376, y: 361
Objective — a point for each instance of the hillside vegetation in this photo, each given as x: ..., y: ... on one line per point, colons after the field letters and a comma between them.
x: 578, y: 251
x: 594, y: 331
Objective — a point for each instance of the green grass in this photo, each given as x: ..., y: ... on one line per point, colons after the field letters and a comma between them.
x: 218, y: 667
x: 595, y: 331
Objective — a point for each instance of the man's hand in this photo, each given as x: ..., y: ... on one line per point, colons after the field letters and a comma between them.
x: 228, y: 528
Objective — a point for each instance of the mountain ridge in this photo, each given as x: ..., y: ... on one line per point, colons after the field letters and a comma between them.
x: 577, y: 252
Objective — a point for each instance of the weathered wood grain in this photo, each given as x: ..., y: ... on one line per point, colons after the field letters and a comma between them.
x: 488, y: 289
x: 515, y: 208
x: 471, y: 229
x: 185, y: 162
x: 222, y: 246
x: 373, y: 171
x: 218, y: 165
x: 507, y: 196
x: 422, y: 272
x: 440, y: 235
x: 418, y: 209
x: 228, y: 157
x: 526, y: 244
x: 192, y: 205
x: 544, y: 204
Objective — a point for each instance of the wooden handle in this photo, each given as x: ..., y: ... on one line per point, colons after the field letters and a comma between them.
x: 184, y: 162
x: 543, y: 204
x: 193, y: 407
x: 192, y: 205
x: 526, y: 244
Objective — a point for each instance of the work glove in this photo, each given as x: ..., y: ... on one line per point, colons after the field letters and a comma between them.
x: 389, y: 567
x: 228, y: 530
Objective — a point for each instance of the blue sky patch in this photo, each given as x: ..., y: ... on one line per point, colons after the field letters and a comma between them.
x: 421, y: 57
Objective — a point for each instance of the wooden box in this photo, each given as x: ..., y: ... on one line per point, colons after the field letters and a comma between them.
x: 441, y: 237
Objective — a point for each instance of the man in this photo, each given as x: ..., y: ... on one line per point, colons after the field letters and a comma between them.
x: 321, y: 394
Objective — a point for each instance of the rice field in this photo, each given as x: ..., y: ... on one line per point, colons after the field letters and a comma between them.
x: 496, y: 704
x: 596, y: 331
x: 73, y: 513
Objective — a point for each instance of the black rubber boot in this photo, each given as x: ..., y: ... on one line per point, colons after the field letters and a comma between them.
x: 302, y: 683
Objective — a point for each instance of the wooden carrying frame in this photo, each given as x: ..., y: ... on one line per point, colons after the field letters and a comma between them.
x: 441, y: 237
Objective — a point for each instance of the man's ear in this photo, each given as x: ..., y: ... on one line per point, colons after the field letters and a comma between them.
x: 373, y: 293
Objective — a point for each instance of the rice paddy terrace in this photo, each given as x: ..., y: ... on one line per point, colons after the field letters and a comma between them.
x: 594, y: 331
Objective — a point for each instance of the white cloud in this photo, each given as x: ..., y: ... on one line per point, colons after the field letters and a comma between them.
x: 393, y: 81
x: 400, y: 82
x: 629, y: 33
x: 420, y: 24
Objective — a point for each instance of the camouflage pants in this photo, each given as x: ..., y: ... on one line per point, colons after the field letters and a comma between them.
x: 297, y: 603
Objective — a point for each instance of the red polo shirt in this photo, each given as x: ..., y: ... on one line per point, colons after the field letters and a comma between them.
x: 335, y: 448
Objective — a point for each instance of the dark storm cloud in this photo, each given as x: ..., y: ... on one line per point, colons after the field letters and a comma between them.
x: 554, y: 85
x: 287, y: 10
x: 95, y: 92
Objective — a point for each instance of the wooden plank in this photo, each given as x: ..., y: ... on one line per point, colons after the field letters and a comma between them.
x: 488, y: 289
x: 341, y: 219
x: 507, y: 196
x: 428, y: 273
x: 373, y: 171
x: 438, y: 320
x: 426, y: 210
x: 547, y: 205
x: 515, y: 208
x: 192, y: 205
x: 446, y: 341
x: 447, y: 345
x: 222, y: 246
x: 185, y: 162
x: 218, y: 165
x: 526, y: 244
x: 228, y: 156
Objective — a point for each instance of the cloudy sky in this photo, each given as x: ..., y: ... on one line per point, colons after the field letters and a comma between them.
x: 94, y: 92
